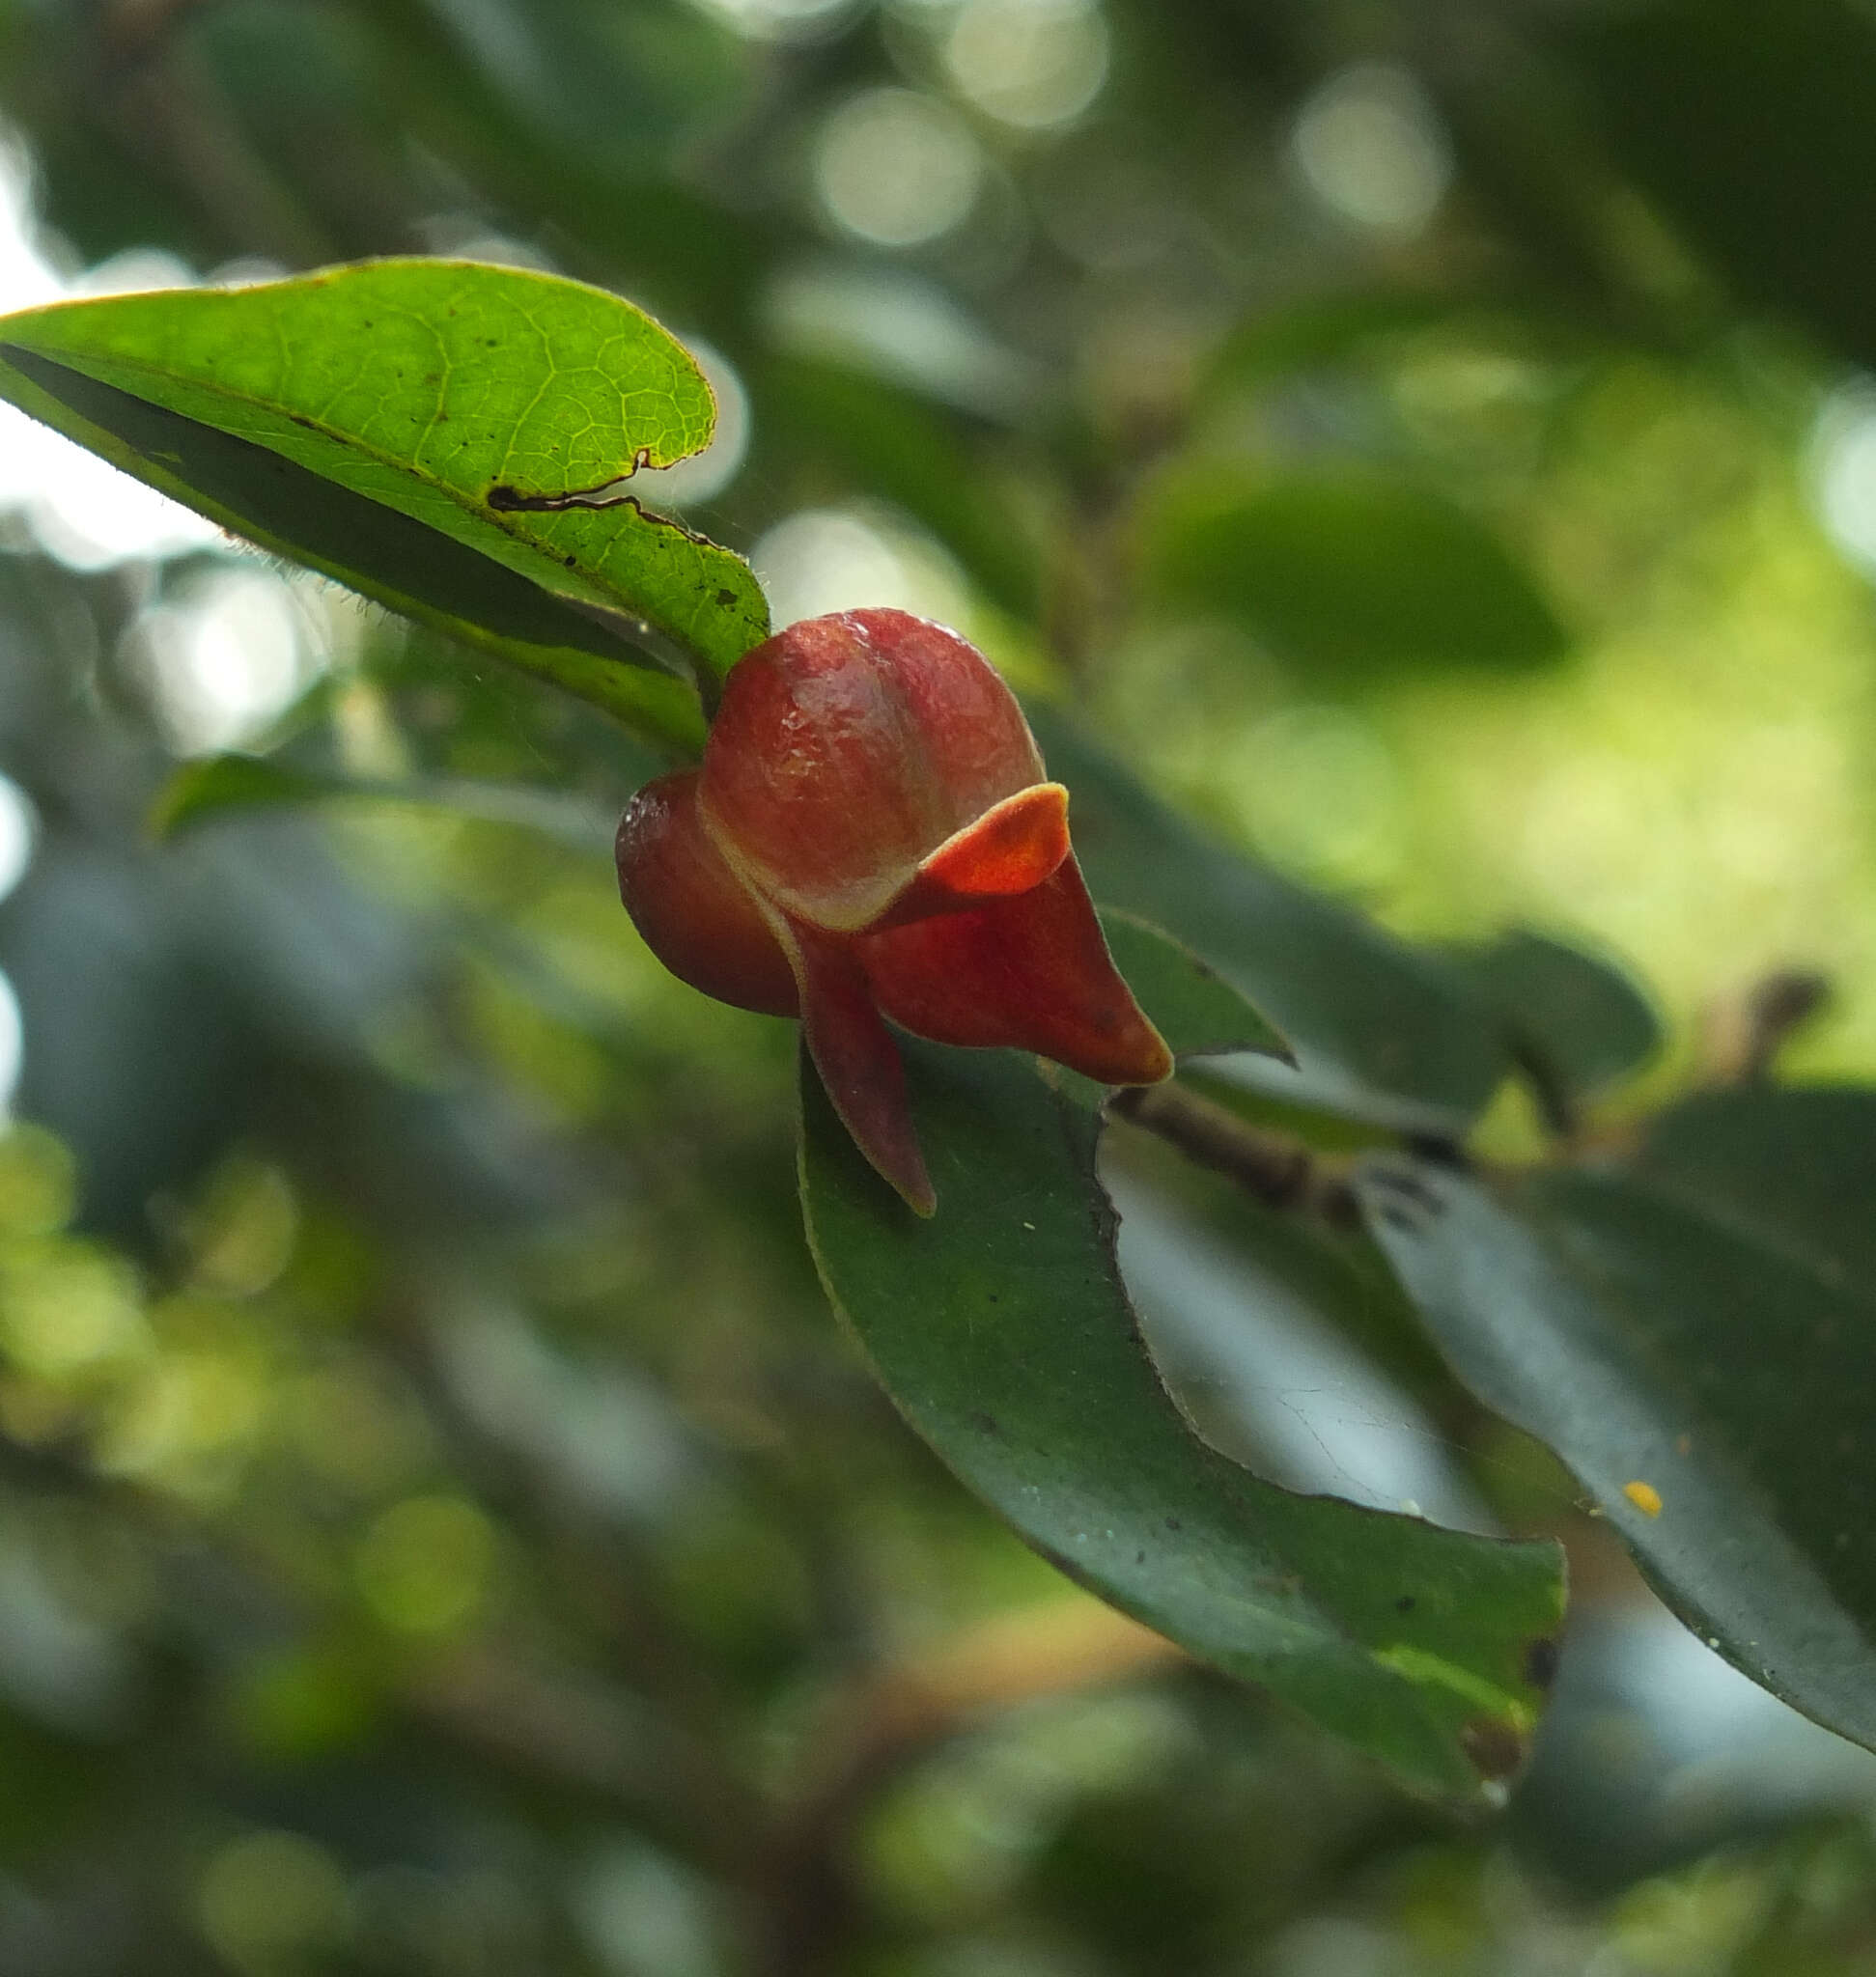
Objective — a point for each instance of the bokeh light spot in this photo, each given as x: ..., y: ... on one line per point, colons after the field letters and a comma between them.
x: 18, y: 822
x: 268, y: 1898
x: 1033, y: 63
x: 833, y: 559
x: 424, y: 1567
x: 781, y: 20
x: 705, y: 475
x: 1370, y: 145
x: 224, y: 657
x: 1843, y: 471
x: 896, y: 167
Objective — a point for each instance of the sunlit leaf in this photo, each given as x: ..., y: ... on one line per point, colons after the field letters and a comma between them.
x: 346, y: 418
x: 1700, y: 1355
x: 1002, y: 1333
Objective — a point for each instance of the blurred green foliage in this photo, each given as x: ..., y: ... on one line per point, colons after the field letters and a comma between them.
x: 440, y: 1529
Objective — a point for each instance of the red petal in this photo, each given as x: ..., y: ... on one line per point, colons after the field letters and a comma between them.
x: 1011, y: 849
x: 859, y: 1062
x: 698, y: 918
x: 849, y: 748
x: 1030, y: 973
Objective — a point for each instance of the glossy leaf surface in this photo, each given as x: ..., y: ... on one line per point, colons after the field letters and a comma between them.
x: 1002, y: 1332
x: 1702, y: 1363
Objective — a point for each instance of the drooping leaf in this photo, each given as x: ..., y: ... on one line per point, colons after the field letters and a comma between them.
x: 1704, y: 1370
x: 1001, y: 1331
x: 1575, y: 1022
x: 443, y: 398
x: 1347, y: 571
x: 1380, y: 1030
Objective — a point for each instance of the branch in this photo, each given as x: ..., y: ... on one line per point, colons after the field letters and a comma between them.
x: 1744, y: 1038
x: 1280, y: 1172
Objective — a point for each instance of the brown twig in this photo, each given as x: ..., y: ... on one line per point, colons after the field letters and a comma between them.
x: 1280, y: 1172
x: 1742, y: 1038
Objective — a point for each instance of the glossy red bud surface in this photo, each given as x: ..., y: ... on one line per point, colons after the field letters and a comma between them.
x: 872, y: 836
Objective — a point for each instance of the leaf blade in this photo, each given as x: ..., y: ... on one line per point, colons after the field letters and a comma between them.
x: 1002, y: 1332
x: 1698, y: 1378
x: 427, y: 387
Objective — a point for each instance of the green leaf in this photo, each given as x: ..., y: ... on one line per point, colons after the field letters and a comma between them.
x: 1796, y: 1167
x: 1750, y: 130
x: 440, y: 393
x: 216, y: 784
x: 371, y: 550
x: 1575, y: 1022
x: 222, y: 786
x: 1001, y: 1331
x: 1704, y: 1373
x: 1344, y: 569
x: 1381, y: 1031
x: 1193, y: 1007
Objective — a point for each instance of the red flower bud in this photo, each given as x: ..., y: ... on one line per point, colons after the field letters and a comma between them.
x: 871, y: 835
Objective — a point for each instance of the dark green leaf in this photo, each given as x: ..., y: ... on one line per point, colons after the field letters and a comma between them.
x: 1344, y: 569
x: 1001, y: 1331
x: 1575, y: 1022
x: 1797, y: 1167
x: 1705, y: 1375
x: 1380, y: 1030
x: 1751, y: 128
x: 1195, y: 1008
x: 442, y: 392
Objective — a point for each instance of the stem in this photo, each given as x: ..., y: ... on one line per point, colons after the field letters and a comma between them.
x: 1271, y: 1168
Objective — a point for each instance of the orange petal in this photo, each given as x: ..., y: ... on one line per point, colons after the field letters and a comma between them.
x: 1011, y: 849
x: 1030, y: 972
x: 859, y: 1062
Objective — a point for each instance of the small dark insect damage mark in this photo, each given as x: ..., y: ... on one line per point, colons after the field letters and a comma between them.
x: 1173, y: 1524
x: 725, y: 599
x: 604, y: 494
x: 299, y: 418
x: 1406, y: 1603
x: 1397, y: 1218
x: 1140, y: 1558
x: 1540, y: 1661
x: 1495, y: 1749
x: 570, y: 561
x: 984, y: 1424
